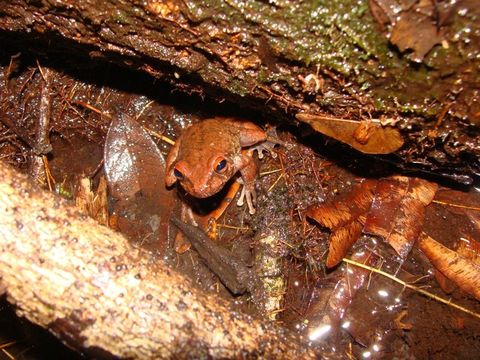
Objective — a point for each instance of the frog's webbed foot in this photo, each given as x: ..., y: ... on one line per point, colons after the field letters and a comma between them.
x: 269, y: 144
x: 248, y: 194
x: 266, y: 146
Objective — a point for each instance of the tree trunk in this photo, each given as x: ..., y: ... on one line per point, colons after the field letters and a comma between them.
x: 94, y: 291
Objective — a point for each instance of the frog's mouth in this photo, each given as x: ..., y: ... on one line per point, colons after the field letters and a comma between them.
x: 202, y: 191
x: 206, y: 189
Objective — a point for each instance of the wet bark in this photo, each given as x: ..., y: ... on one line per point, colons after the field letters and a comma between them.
x: 94, y: 291
x: 280, y: 58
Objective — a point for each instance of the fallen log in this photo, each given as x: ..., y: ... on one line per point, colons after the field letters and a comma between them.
x: 88, y: 286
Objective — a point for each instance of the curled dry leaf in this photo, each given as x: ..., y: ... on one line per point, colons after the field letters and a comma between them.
x: 463, y: 272
x: 344, y: 217
x: 135, y: 170
x: 368, y: 137
x: 398, y: 211
x: 468, y: 248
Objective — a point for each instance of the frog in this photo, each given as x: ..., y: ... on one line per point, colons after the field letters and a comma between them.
x: 209, y: 153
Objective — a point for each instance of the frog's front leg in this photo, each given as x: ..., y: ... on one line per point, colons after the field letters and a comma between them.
x: 248, y: 170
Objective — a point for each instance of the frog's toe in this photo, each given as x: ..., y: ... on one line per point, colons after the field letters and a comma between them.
x: 241, y: 198
x: 248, y: 195
x: 265, y: 147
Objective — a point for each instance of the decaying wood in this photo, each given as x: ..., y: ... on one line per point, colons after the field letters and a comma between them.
x: 93, y: 290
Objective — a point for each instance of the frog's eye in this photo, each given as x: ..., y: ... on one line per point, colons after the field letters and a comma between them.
x: 178, y: 174
x: 221, y: 166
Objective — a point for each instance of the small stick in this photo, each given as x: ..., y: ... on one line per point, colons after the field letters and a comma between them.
x: 108, y: 116
x: 456, y: 205
x: 412, y: 287
x: 48, y: 174
x: 42, y: 132
x: 160, y: 136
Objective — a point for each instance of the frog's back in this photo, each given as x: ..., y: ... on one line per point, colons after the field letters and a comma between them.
x: 200, y: 140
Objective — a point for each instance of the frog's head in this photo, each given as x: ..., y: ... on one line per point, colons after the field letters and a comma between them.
x: 203, y: 179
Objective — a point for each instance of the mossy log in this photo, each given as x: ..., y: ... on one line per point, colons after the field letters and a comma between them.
x: 97, y: 293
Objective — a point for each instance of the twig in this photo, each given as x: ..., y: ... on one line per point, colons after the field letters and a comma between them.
x: 160, y: 136
x: 108, y: 116
x: 412, y: 287
x: 456, y: 205
x: 276, y: 182
x: 10, y: 356
x: 42, y: 131
x: 282, y: 168
x: 48, y: 175
x: 270, y: 172
x: 44, y: 74
x: 143, y: 109
x: 93, y: 108
x: 8, y: 344
x: 241, y: 228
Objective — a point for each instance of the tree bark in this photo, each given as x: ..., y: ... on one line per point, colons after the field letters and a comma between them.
x: 94, y: 291
x: 280, y: 57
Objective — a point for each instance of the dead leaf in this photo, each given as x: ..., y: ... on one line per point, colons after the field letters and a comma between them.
x: 341, y: 241
x: 353, y: 279
x: 389, y: 193
x: 343, y: 217
x: 398, y: 211
x: 135, y: 174
x: 469, y: 248
x: 416, y: 31
x: 445, y: 283
x: 416, y: 25
x: 364, y: 131
x: 374, y: 139
x: 94, y: 204
x: 380, y: 12
x: 463, y: 272
x: 461, y: 203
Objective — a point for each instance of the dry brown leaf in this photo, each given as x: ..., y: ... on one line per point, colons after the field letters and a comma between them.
x: 94, y: 204
x: 341, y: 241
x: 389, y: 193
x: 343, y: 216
x: 463, y: 272
x: 371, y: 138
x: 469, y: 248
x: 398, y: 211
x: 417, y: 32
x: 134, y: 167
x: 461, y: 203
x: 445, y: 283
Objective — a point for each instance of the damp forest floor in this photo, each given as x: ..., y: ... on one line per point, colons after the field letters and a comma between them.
x: 374, y: 317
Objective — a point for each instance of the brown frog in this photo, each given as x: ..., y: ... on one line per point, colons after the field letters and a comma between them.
x: 208, y: 154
